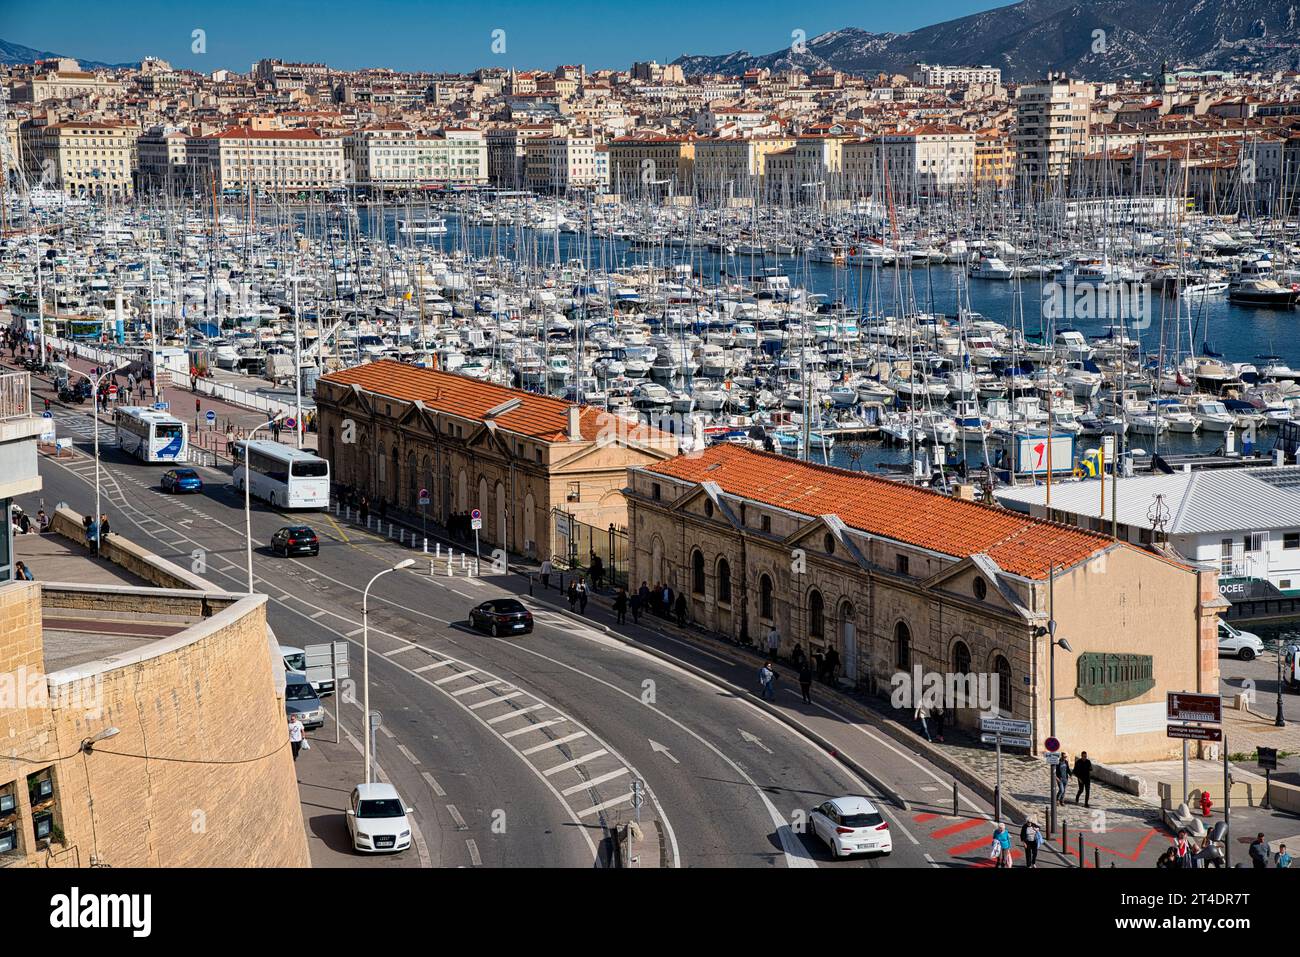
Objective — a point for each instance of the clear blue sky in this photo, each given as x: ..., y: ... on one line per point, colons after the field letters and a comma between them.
x: 437, y: 35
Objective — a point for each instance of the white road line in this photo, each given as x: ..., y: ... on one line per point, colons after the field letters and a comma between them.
x: 436, y: 664
x: 407, y: 753
x: 495, y: 699
x: 354, y: 632
x: 533, y: 727
x: 383, y: 729
x: 478, y: 687
x: 594, y: 781
x: 317, y: 615
x: 455, y: 816
x: 516, y: 713
x: 459, y: 674
x: 597, y: 808
x: 472, y: 847
x: 437, y: 788
x: 556, y: 743
x: 398, y: 651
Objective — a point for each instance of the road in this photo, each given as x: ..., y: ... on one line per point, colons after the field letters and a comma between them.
x: 518, y: 751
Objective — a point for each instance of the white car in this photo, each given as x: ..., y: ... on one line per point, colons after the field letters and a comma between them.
x: 1240, y: 644
x: 851, y: 825
x: 295, y: 659
x: 377, y: 819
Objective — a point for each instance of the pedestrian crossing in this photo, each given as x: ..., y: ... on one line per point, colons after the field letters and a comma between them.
x: 970, y: 839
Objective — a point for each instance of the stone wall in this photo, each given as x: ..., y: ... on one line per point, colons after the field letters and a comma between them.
x: 123, y: 552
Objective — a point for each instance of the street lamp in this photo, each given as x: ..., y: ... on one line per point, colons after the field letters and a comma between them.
x: 1280, y: 720
x: 87, y: 748
x: 365, y: 654
x: 1053, y: 642
x: 88, y: 745
x: 94, y: 397
x: 248, y: 504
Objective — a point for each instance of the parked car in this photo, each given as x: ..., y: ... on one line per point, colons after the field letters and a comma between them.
x: 1240, y: 644
x: 851, y: 825
x: 300, y: 698
x: 295, y: 540
x: 295, y: 661
x: 377, y: 819
x: 502, y: 616
x: 181, y: 480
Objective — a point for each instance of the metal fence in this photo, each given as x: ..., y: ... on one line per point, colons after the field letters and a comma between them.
x: 15, y: 395
x: 577, y: 543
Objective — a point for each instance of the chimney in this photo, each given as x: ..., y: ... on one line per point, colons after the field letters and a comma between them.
x: 575, y: 427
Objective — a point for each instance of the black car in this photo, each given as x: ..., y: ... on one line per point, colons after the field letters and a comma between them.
x: 502, y: 616
x: 295, y: 540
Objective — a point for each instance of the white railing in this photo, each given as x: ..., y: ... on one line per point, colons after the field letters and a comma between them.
x: 15, y: 395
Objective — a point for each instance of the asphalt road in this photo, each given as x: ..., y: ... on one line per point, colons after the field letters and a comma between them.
x: 514, y: 751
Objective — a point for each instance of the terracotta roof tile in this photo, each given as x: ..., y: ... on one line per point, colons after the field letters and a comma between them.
x: 927, y: 519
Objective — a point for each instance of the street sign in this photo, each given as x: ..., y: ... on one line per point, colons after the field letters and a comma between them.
x: 112, y: 390
x: 475, y: 520
x: 1266, y: 758
x: 1053, y: 757
x: 1194, y: 732
x: 638, y: 794
x: 160, y: 406
x: 1005, y: 726
x: 211, y: 416
x: 424, y: 496
x: 1192, y: 706
x: 1008, y: 741
x: 47, y: 415
x: 290, y: 423
x: 1051, y: 744
x: 475, y: 514
x: 327, y: 661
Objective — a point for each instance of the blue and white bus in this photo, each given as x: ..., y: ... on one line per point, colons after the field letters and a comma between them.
x: 151, y: 435
x: 282, y: 475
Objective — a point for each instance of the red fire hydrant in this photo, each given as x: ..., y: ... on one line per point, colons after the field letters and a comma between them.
x: 1206, y: 804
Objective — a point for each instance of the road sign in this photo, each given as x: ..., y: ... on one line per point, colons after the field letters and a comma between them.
x: 47, y: 415
x: 1266, y: 758
x: 1051, y: 744
x: 638, y: 794
x: 1008, y: 741
x: 327, y: 661
x: 112, y: 390
x: 424, y: 496
x: 290, y: 423
x: 1191, y: 706
x: 160, y: 406
x: 475, y: 514
x: 211, y: 416
x: 1053, y: 757
x: 475, y: 520
x: 1194, y: 732
x: 1006, y: 726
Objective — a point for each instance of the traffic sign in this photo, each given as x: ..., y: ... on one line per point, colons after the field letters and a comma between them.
x: 638, y: 794
x: 424, y: 496
x: 1008, y: 741
x: 475, y: 521
x: 1193, y: 706
x: 1194, y: 732
x: 1005, y: 726
x: 1266, y: 758
x: 47, y: 415
x: 290, y: 423
x: 1052, y: 744
x: 326, y: 661
x: 112, y: 390
x: 475, y: 514
x: 1053, y: 757
x: 211, y: 416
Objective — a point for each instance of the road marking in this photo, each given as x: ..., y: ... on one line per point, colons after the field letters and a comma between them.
x: 455, y: 816
x: 317, y: 615
x: 533, y: 727
x: 383, y: 729
x: 407, y: 753
x: 436, y: 664
x: 556, y: 743
x: 473, y: 852
x: 594, y: 781
x: 459, y: 674
x: 398, y: 651
x: 494, y: 699
x: 478, y: 687
x: 437, y: 788
x: 597, y: 808
x: 514, y: 714
x: 354, y: 633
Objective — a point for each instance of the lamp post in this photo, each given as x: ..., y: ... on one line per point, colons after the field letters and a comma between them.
x: 365, y: 654
x: 88, y: 748
x: 1053, y: 641
x: 94, y: 397
x: 248, y: 503
x: 1280, y: 720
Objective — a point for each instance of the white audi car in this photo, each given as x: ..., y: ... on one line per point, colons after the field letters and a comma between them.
x: 377, y: 819
x: 851, y: 825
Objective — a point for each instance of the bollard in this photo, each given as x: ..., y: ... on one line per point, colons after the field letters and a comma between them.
x: 954, y: 799
x: 1065, y: 838
x: 426, y: 546
x: 367, y: 523
x: 463, y: 564
x: 1096, y: 858
x: 430, y: 567
x: 530, y: 583
x: 401, y: 538
x: 448, y: 564
x: 1081, y: 858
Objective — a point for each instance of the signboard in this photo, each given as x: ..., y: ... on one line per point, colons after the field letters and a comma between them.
x: 1194, y: 732
x: 48, y: 429
x: 1008, y: 741
x: 1051, y: 744
x: 1005, y: 726
x: 1031, y: 453
x: 476, y: 520
x: 424, y: 496
x: 327, y: 661
x: 1053, y: 757
x: 1191, y: 706
x: 638, y: 794
x: 160, y: 406
x: 291, y: 423
x: 1266, y: 758
x: 211, y: 416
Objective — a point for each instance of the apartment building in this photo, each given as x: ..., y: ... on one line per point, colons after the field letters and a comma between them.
x: 83, y: 158
x: 802, y: 173
x: 396, y: 156
x: 1051, y: 129
x: 162, y: 158
x: 652, y: 164
x: 928, y: 159
x: 930, y: 74
x: 735, y: 166
x: 994, y: 160
x: 555, y: 164
x: 505, y: 152
x: 241, y: 158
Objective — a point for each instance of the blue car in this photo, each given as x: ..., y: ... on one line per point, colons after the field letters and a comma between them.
x: 181, y: 480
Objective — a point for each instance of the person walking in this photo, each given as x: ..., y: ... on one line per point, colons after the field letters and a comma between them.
x: 832, y: 664
x: 573, y: 596
x: 1184, y: 851
x: 939, y: 715
x: 1259, y: 852
x: 1032, y: 839
x: 797, y: 656
x: 679, y: 610
x: 546, y: 574
x: 1001, y: 847
x: 597, y: 571
x: 1062, y: 777
x: 922, y: 714
x: 620, y: 606
x: 636, y: 603
x: 582, y: 597
x: 1282, y: 858
x: 644, y: 594
x: 296, y: 731
x: 363, y: 510
x: 767, y: 681
x: 805, y: 681
x: 773, y: 642
x: 1083, y: 775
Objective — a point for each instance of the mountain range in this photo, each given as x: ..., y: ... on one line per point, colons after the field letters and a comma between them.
x: 1098, y: 39
x: 13, y: 54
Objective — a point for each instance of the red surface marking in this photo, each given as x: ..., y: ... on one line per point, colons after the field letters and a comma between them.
x: 957, y: 828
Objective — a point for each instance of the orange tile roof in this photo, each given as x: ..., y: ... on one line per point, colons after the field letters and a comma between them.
x: 539, y: 416
x: 927, y: 519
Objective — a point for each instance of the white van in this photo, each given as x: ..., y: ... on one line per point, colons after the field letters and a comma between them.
x: 1239, y: 644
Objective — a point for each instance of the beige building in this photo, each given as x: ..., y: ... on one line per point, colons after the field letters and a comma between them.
x: 652, y: 164
x: 162, y: 159
x: 735, y: 166
x: 506, y: 152
x: 554, y: 164
x: 84, y: 158
x: 68, y: 84
x: 805, y: 172
x: 397, y: 156
x: 897, y: 578
x: 928, y: 159
x: 241, y: 158
x: 391, y: 429
x: 1052, y: 120
x: 994, y: 160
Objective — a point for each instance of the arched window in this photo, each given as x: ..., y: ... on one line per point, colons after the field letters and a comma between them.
x: 1003, y: 669
x: 697, y: 572
x: 382, y: 464
x: 724, y: 582
x: 412, y: 480
x: 961, y: 658
x: 765, y: 597
x: 816, y: 615
x: 902, y: 646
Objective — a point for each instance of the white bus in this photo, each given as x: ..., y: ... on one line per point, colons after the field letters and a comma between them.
x: 284, y: 476
x: 151, y: 435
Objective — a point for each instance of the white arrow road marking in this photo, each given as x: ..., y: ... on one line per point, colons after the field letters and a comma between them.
x: 658, y: 748
x: 754, y: 739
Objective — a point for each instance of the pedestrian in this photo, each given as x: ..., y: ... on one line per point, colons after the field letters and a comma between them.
x: 275, y: 429
x: 1209, y: 854
x: 805, y: 681
x: 92, y: 534
x: 383, y: 508
x: 1032, y: 839
x: 22, y: 573
x: 620, y: 606
x: 546, y: 574
x: 42, y: 521
x: 1062, y: 777
x: 643, y: 593
x: 832, y: 664
x: 1168, y: 860
x: 103, y: 526
x: 1000, y: 850
x: 679, y: 611
x: 922, y: 715
x: 1259, y: 852
x: 636, y: 603
x: 364, y: 510
x: 773, y: 642
x: 766, y: 682
x: 573, y: 595
x: 939, y: 715
x: 1282, y: 858
x: 1184, y: 853
x: 296, y: 730
x: 597, y: 571
x: 667, y: 600
x: 582, y: 597
x: 1083, y: 775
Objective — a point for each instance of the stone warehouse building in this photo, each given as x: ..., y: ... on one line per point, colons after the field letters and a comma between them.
x: 895, y: 578
x: 391, y: 429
